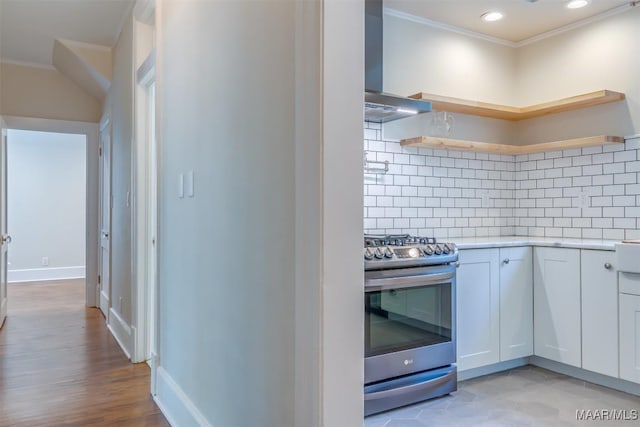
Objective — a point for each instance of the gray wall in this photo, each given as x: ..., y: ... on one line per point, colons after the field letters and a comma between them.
x: 226, y: 104
x: 46, y: 201
x: 119, y: 103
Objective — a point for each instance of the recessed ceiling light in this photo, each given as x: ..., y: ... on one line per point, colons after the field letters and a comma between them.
x: 577, y: 4
x: 492, y: 16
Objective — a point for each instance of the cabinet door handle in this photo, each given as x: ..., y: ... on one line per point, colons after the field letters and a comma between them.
x: 608, y: 265
x: 506, y: 260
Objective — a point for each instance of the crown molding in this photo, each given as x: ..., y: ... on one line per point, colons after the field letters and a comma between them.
x: 75, y: 43
x: 27, y: 64
x: 452, y: 28
x: 595, y: 18
x: 447, y: 27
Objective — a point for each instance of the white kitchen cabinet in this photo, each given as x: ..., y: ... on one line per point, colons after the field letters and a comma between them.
x: 556, y: 299
x: 478, y: 308
x: 599, y: 312
x: 516, y: 303
x: 630, y: 329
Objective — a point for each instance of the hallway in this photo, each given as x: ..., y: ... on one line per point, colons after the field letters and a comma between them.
x: 60, y: 366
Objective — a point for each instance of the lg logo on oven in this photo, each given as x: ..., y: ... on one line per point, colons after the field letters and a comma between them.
x: 408, y: 362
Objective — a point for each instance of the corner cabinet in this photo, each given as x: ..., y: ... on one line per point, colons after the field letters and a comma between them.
x: 599, y: 312
x: 478, y: 308
x: 494, y: 306
x: 516, y: 303
x: 556, y: 296
x: 630, y: 327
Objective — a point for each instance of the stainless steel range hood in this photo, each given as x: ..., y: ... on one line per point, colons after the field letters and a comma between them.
x: 382, y: 107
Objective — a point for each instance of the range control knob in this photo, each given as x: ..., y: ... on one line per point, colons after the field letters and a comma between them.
x: 388, y: 253
x: 428, y: 250
x: 438, y: 249
x: 378, y: 253
x: 446, y: 248
x: 368, y: 254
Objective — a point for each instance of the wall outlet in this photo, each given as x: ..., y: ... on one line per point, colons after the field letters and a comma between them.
x: 45, y: 261
x: 484, y: 198
x: 582, y: 200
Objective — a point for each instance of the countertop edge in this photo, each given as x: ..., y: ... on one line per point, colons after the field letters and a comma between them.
x: 502, y: 242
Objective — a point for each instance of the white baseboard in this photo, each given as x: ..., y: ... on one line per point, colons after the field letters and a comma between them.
x: 43, y: 274
x: 492, y: 369
x: 121, y: 331
x: 584, y: 375
x: 176, y: 406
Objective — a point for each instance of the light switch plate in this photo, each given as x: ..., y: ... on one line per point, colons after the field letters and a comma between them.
x: 189, y: 184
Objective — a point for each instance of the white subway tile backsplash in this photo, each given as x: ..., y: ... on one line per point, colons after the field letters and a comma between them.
x: 592, y: 170
x: 602, y: 180
x: 624, y: 156
x: 572, y: 171
x: 592, y: 233
x: 579, y: 160
x: 624, y: 223
x: 451, y: 194
x: 592, y: 150
x: 613, y: 168
x: 624, y: 201
x: 610, y: 234
x: 632, y: 144
x: 615, y: 212
x: 625, y: 178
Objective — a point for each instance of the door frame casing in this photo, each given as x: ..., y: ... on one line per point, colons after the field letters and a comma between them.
x: 91, y: 131
x: 145, y: 346
x: 105, y: 122
x: 3, y: 225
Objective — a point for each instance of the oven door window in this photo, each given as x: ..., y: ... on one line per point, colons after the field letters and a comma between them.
x: 406, y: 318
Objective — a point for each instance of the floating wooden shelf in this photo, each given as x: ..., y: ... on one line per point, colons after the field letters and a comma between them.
x: 504, y: 112
x: 486, y: 147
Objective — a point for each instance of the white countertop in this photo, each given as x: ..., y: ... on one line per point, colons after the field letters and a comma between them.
x: 510, y: 241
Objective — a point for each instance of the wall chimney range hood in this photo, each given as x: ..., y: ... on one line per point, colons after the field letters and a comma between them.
x: 382, y: 107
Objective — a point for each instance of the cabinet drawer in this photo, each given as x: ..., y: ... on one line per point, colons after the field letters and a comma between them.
x: 629, y: 283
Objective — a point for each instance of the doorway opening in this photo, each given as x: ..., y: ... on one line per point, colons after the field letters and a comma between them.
x: 83, y: 162
x: 46, y: 207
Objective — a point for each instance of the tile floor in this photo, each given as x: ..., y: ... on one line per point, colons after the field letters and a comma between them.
x: 526, y: 396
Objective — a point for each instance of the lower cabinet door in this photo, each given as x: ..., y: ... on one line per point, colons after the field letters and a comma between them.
x: 630, y: 337
x: 516, y: 303
x: 599, y: 312
x: 556, y: 304
x: 478, y: 308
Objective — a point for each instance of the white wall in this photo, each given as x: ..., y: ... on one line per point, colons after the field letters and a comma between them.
x: 232, y: 262
x: 47, y: 205
x: 226, y: 278
x: 600, y: 55
x: 44, y: 93
x: 597, y: 56
x: 420, y: 58
x: 119, y: 103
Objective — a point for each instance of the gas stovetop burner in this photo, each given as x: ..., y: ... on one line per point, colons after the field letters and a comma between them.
x: 374, y: 240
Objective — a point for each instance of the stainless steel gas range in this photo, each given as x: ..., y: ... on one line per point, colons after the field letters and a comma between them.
x: 410, y: 331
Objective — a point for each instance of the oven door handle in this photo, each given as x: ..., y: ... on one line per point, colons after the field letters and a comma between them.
x: 384, y: 394
x: 372, y: 285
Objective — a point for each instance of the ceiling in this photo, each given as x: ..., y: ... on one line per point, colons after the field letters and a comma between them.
x: 523, y: 19
x: 29, y: 27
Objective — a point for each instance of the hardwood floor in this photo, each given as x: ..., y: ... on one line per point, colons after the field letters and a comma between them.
x: 60, y: 366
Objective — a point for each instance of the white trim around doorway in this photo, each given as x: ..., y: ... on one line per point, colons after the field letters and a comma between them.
x: 90, y: 130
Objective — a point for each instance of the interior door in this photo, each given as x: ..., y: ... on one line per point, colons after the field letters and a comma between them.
x: 105, y: 219
x: 153, y: 223
x: 4, y: 237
